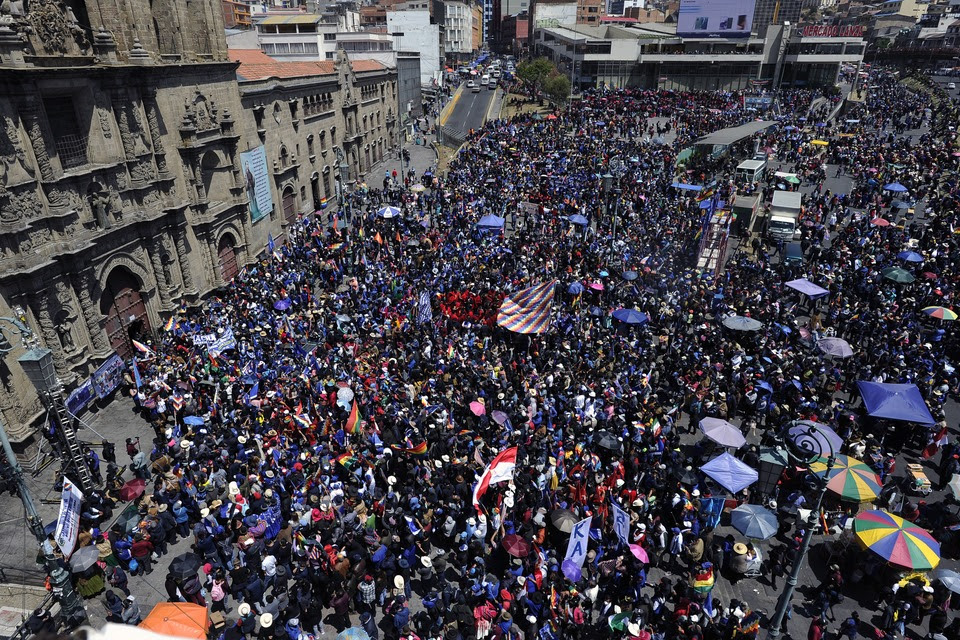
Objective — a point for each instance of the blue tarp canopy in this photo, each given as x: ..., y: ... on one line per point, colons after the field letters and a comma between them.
x: 895, y: 402
x: 730, y: 473
x: 688, y: 187
x: 491, y: 221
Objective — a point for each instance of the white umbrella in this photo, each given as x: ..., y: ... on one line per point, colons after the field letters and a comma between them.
x: 950, y: 579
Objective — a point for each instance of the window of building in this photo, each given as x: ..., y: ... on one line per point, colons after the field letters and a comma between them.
x: 68, y: 137
x: 268, y: 48
x: 282, y: 47
x: 329, y: 36
x: 310, y: 144
x: 284, y: 158
x: 329, y: 55
x: 311, y: 48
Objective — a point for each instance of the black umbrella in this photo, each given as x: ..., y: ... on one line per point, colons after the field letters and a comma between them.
x: 185, y: 566
x: 128, y: 519
x: 563, y: 520
x: 687, y: 476
x: 608, y: 441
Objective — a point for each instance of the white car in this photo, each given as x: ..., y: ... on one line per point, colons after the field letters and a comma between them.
x: 951, y: 85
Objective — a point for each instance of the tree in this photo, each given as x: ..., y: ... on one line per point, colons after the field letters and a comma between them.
x: 557, y: 87
x: 535, y: 72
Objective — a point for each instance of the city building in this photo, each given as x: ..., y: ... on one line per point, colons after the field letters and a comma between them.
x: 143, y: 167
x: 653, y: 56
x: 320, y: 125
x: 458, y: 31
x: 236, y: 14
x: 422, y: 34
x: 590, y: 11
x: 122, y: 190
x: 768, y: 12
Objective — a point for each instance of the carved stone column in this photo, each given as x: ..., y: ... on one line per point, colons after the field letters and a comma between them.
x: 184, y: 260
x: 153, y: 124
x: 211, y: 259
x: 30, y: 114
x: 119, y: 100
x: 83, y: 286
x: 156, y: 259
x: 41, y: 310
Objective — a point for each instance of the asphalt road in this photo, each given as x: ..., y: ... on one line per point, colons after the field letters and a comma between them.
x: 469, y: 110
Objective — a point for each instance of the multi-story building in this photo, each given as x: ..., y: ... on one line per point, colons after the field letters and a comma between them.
x: 420, y: 33
x: 590, y: 11
x: 236, y: 14
x: 321, y: 124
x: 137, y: 173
x: 458, y: 31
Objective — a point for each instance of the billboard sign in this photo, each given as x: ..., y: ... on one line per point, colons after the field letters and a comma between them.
x: 832, y: 31
x: 715, y: 18
x: 256, y: 180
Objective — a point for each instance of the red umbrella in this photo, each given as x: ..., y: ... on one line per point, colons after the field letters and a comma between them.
x: 516, y: 546
x: 929, y: 275
x: 880, y: 222
x: 132, y: 489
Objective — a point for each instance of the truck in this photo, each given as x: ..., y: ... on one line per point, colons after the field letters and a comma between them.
x: 784, y: 213
x: 744, y: 208
x: 750, y: 171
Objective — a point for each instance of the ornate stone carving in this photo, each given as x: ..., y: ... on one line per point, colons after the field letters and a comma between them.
x: 56, y: 30
x: 104, y: 116
x: 13, y: 157
x: 31, y: 118
x: 65, y: 332
x: 101, y: 203
x: 200, y: 112
x: 184, y: 259
x: 142, y: 171
x: 64, y: 296
x: 82, y: 283
x: 119, y: 100
x: 160, y: 271
x: 153, y: 123
x: 17, y: 205
x: 41, y: 310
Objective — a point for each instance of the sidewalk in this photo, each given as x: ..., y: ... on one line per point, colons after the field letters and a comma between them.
x: 422, y: 157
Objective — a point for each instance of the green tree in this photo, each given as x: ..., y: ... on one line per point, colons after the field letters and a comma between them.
x: 535, y: 72
x: 557, y: 87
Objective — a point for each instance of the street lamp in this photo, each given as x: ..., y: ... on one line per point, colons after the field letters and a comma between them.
x: 71, y: 605
x: 37, y: 363
x: 400, y: 124
x: 805, y: 447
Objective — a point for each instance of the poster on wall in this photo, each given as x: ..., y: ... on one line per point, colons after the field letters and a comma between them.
x: 108, y: 377
x: 715, y: 18
x: 256, y: 181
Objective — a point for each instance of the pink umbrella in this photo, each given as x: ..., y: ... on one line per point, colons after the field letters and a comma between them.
x: 880, y: 222
x: 639, y: 553
x: 596, y: 286
x: 477, y: 408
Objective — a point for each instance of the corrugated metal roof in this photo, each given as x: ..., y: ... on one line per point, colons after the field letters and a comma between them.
x: 291, y: 20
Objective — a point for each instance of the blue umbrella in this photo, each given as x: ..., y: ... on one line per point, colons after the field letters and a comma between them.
x: 576, y: 288
x: 630, y: 316
x: 388, y: 212
x: 282, y: 305
x: 491, y: 221
x: 194, y: 421
x: 578, y: 220
x: 754, y: 521
x: 900, y: 204
x: 353, y: 633
x: 763, y: 384
x: 910, y: 256
x: 895, y: 187
x: 630, y: 275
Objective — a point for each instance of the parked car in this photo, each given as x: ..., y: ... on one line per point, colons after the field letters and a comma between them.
x: 951, y: 85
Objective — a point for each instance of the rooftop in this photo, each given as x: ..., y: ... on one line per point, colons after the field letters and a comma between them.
x: 256, y: 65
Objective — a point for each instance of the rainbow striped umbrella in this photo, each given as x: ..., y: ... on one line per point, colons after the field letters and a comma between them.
x: 849, y: 478
x: 897, y: 541
x: 943, y: 313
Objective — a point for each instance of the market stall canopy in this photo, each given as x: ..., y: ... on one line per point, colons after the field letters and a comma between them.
x: 807, y: 288
x: 491, y: 221
x: 178, y: 619
x: 895, y: 402
x: 731, y: 135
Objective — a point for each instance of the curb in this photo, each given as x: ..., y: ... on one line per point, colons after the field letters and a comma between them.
x: 448, y: 108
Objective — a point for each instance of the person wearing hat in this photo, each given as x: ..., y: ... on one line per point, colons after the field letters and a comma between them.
x: 369, y: 624
x: 131, y: 611
x: 426, y: 574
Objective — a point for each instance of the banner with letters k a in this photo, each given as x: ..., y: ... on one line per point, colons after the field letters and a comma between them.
x: 579, y: 537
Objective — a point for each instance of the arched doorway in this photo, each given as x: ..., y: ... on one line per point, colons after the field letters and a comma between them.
x: 125, y: 311
x: 290, y: 205
x: 227, y: 257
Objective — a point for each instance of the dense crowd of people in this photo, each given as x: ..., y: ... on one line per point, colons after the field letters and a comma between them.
x: 323, y: 466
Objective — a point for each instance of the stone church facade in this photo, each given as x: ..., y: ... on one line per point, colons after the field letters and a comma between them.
x: 121, y: 187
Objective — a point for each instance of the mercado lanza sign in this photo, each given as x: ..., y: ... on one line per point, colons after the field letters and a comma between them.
x: 832, y: 31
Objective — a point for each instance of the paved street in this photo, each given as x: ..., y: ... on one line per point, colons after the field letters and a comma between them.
x: 468, y: 110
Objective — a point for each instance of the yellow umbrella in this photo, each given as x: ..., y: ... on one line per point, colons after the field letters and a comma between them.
x: 819, y: 143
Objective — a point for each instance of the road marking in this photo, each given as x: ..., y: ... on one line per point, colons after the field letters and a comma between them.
x: 493, y: 101
x: 450, y: 106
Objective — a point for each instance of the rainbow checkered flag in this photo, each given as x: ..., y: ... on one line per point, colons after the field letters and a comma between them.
x: 424, y: 310
x: 353, y: 422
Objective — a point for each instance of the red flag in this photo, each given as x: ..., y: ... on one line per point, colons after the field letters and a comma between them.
x: 500, y: 469
x: 377, y: 238
x: 931, y: 449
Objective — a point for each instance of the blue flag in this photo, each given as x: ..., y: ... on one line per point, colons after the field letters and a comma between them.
x: 271, y: 246
x: 136, y: 375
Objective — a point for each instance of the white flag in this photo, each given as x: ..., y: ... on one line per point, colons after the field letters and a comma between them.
x: 621, y: 524
x: 579, y: 538
x: 68, y: 524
